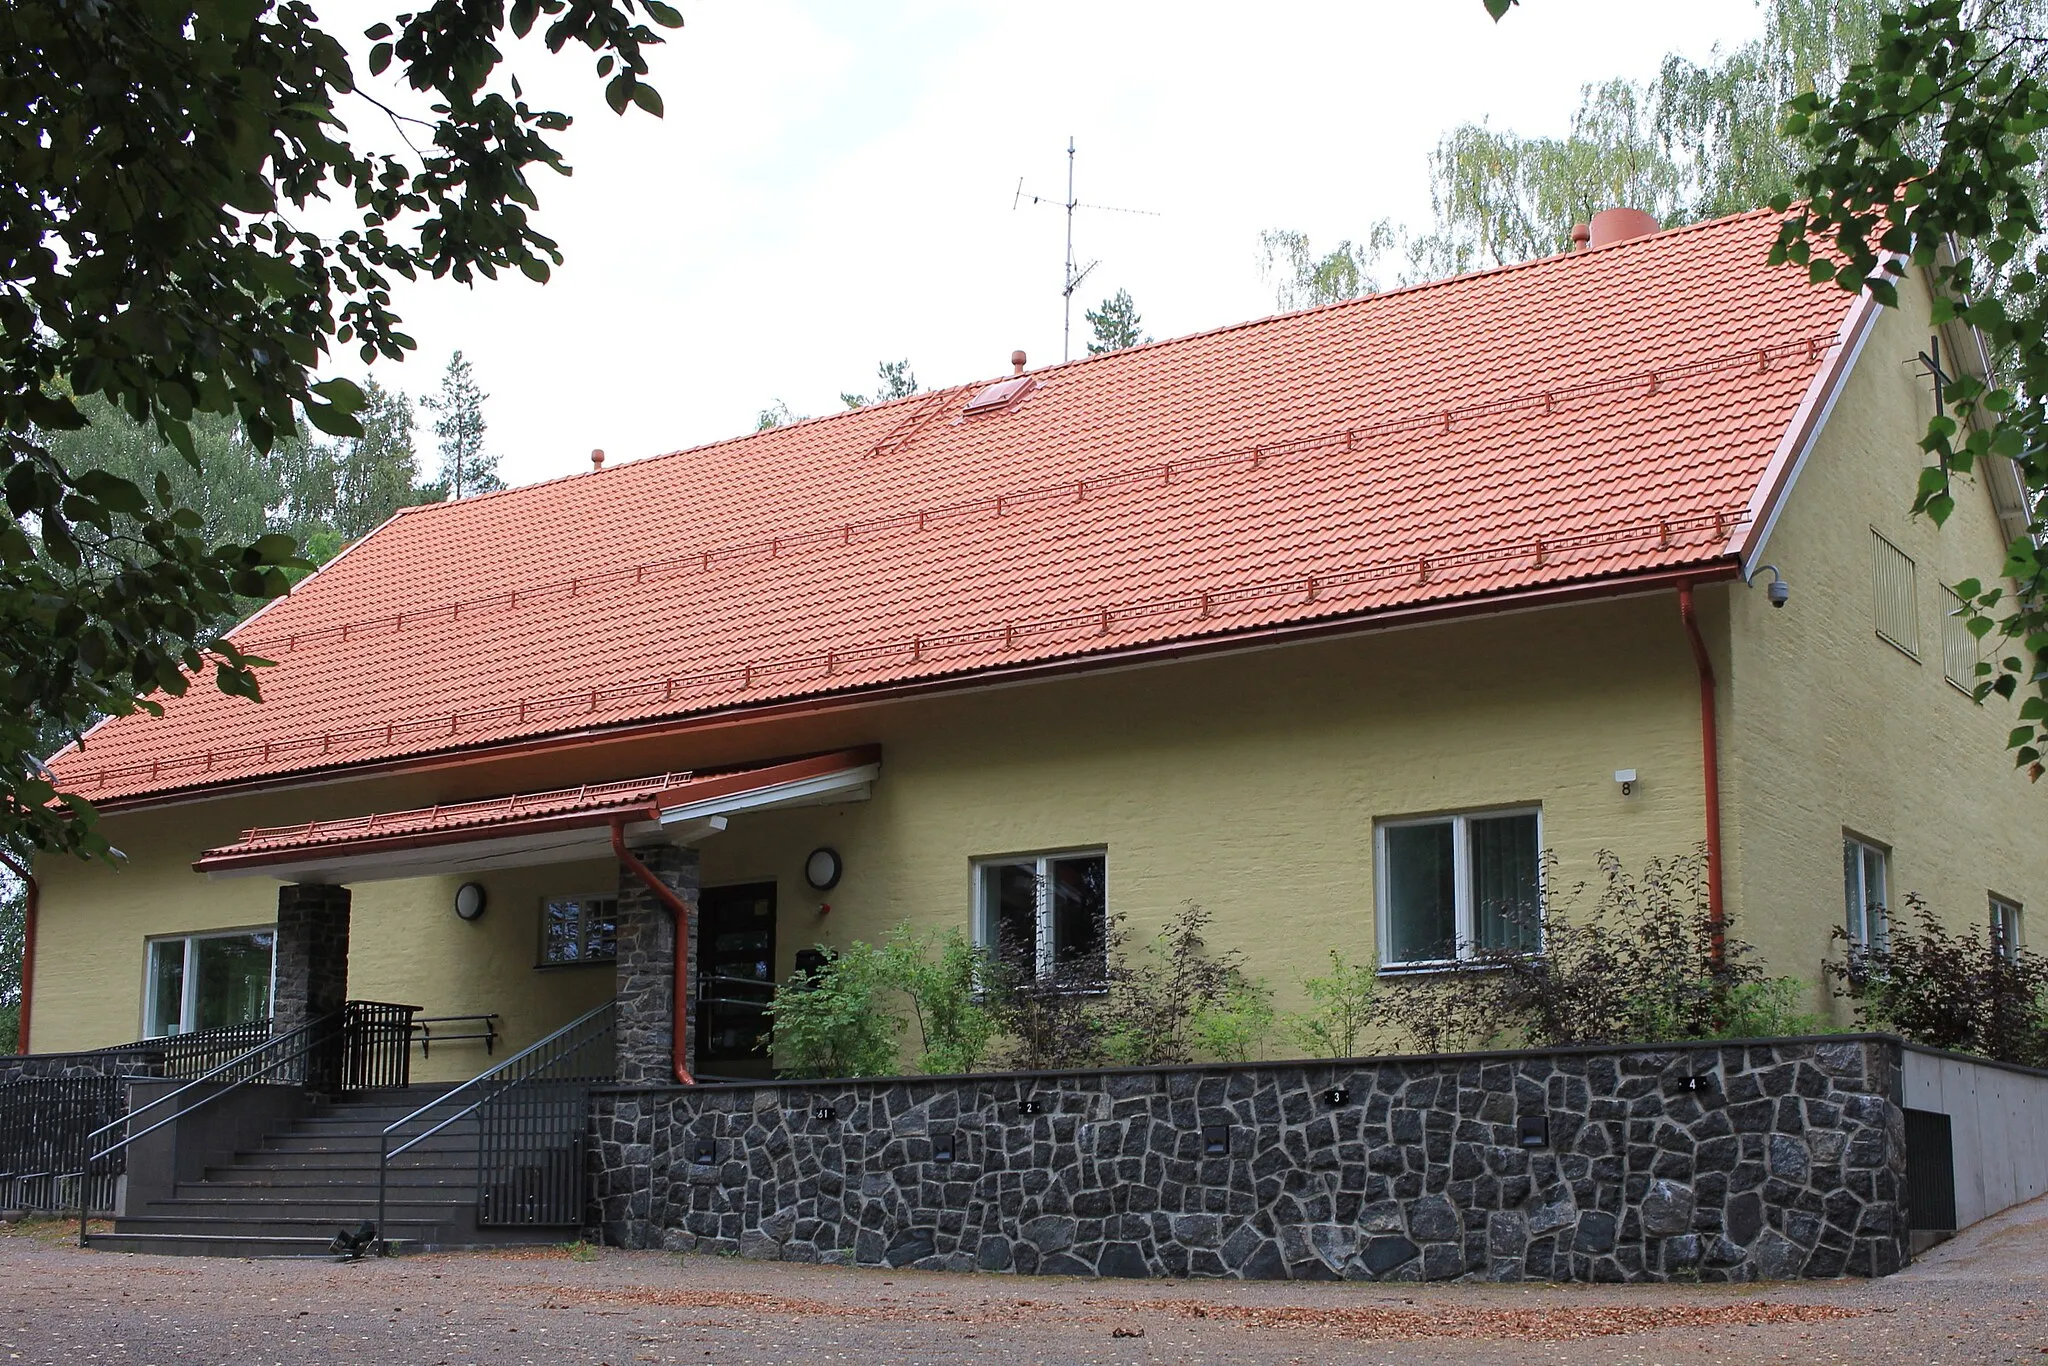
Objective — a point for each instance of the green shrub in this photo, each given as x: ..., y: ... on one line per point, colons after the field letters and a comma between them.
x: 835, y: 1021
x: 943, y: 976
x: 1236, y: 1028
x: 1342, y: 1005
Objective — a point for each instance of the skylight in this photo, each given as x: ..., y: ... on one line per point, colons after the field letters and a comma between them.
x: 999, y: 395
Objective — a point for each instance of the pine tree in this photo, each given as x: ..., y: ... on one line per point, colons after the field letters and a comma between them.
x: 459, y: 425
x: 1116, y: 324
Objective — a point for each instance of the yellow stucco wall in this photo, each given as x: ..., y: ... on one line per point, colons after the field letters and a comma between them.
x: 1831, y: 729
x: 1248, y: 783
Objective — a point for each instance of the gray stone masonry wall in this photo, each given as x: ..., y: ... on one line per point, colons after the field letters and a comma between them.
x: 1723, y: 1163
x: 312, y: 969
x: 647, y: 965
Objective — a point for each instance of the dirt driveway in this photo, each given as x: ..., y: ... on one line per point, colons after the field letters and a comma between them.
x: 1981, y: 1299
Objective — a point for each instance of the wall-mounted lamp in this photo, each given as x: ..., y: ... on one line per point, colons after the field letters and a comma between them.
x: 1627, y: 778
x: 705, y: 1152
x: 1216, y: 1140
x: 1533, y: 1131
x: 823, y: 868
x: 470, y: 900
x: 942, y: 1147
x: 1777, y: 590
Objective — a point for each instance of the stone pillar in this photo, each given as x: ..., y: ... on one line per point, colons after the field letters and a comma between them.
x: 312, y: 968
x: 647, y: 965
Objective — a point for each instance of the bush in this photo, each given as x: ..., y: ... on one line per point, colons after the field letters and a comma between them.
x: 1159, y: 1006
x: 1948, y: 990
x: 1639, y: 968
x: 831, y: 1021
x: 1342, y: 1008
x: 942, y: 974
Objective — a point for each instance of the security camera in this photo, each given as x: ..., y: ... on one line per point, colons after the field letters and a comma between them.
x: 1777, y: 589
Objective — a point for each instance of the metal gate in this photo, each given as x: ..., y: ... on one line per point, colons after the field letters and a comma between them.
x: 1930, y: 1172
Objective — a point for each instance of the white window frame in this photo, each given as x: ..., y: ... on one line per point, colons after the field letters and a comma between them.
x: 1041, y: 866
x: 188, y: 992
x: 583, y: 902
x: 1464, y: 928
x: 1862, y: 933
x: 2008, y: 927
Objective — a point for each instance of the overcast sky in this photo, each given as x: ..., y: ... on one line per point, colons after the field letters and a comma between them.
x: 833, y: 185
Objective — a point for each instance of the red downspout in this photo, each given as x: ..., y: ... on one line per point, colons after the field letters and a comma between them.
x: 680, y: 1011
x: 28, y: 945
x: 1710, y: 747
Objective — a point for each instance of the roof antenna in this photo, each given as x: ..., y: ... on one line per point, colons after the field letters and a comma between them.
x: 1073, y: 276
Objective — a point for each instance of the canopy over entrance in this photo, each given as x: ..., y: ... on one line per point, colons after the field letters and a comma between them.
x: 520, y: 829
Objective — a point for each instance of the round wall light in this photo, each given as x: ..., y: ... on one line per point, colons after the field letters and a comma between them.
x: 470, y: 900
x: 822, y: 868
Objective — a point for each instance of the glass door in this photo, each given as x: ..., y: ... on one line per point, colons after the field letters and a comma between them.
x: 735, y: 979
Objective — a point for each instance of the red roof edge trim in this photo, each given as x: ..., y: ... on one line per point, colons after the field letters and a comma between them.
x: 1221, y: 642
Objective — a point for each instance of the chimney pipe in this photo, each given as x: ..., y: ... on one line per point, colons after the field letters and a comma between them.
x: 1016, y: 362
x: 1620, y: 225
x: 597, y: 460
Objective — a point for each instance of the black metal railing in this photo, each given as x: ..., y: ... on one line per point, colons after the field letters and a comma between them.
x: 480, y: 1027
x: 366, y: 1045
x: 43, y: 1126
x: 531, y: 1113
x: 376, y: 1046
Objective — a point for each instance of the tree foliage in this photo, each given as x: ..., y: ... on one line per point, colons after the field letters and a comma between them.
x: 894, y: 379
x: 159, y: 255
x: 1115, y: 323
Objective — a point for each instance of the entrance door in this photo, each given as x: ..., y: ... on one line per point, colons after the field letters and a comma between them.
x: 735, y: 979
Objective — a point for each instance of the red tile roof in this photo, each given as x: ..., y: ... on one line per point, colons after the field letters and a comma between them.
x: 592, y: 804
x: 1581, y: 418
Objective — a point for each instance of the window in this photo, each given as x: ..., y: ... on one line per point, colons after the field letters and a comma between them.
x: 579, y: 929
x: 2005, y: 928
x: 1959, y: 649
x: 1898, y: 617
x: 1459, y: 886
x: 1866, y: 891
x: 1049, y: 911
x: 208, y: 981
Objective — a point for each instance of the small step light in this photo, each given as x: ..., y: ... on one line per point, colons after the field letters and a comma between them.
x: 1216, y: 1140
x: 1533, y: 1131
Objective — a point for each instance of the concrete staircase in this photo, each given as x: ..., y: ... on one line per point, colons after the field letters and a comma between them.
x: 287, y: 1196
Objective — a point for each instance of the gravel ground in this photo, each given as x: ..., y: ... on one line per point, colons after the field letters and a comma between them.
x: 1980, y: 1299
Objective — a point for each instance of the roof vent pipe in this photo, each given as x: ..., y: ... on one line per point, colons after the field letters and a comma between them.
x: 597, y: 460
x: 1581, y: 234
x: 1620, y: 225
x: 1016, y: 362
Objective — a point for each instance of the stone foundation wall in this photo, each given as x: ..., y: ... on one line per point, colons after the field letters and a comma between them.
x: 1723, y: 1163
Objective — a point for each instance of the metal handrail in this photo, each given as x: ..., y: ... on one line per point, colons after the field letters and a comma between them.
x: 489, y: 1084
x: 306, y: 1037
x: 423, y: 1027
